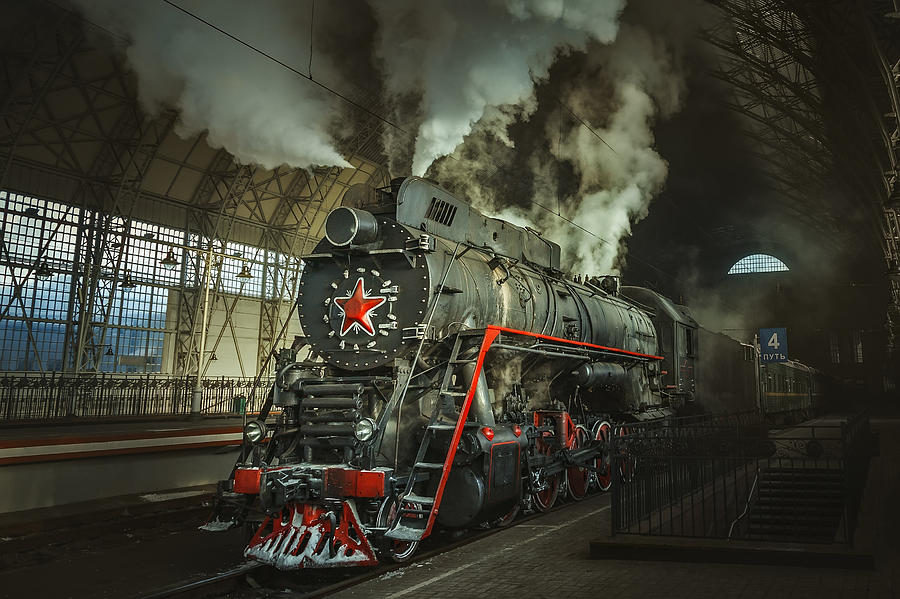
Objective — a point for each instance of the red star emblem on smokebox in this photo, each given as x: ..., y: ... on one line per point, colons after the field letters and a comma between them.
x: 357, y: 308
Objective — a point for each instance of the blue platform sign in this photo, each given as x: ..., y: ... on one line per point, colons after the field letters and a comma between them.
x: 773, y: 345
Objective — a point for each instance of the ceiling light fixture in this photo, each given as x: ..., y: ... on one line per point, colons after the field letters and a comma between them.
x: 169, y: 262
x: 42, y: 271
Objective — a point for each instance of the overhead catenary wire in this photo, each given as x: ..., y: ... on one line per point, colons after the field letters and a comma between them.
x: 312, y: 20
x: 307, y: 76
x: 585, y: 125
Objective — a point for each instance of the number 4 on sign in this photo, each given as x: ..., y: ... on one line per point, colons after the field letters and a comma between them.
x: 776, y: 345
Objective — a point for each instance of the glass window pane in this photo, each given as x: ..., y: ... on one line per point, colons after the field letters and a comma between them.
x: 757, y: 263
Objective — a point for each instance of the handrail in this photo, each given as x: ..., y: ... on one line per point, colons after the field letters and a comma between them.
x: 746, y: 507
x: 433, y: 308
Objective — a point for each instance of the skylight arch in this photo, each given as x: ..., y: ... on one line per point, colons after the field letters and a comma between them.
x: 755, y: 263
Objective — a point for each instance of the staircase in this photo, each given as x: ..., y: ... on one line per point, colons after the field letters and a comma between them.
x: 416, y: 513
x: 799, y: 505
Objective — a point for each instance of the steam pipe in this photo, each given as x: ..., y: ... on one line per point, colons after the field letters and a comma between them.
x: 481, y: 400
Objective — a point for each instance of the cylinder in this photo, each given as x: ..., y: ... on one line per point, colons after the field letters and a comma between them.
x: 350, y: 226
x: 599, y: 373
x: 312, y: 417
x: 326, y: 430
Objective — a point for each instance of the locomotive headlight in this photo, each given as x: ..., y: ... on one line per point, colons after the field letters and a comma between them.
x: 364, y: 429
x: 255, y: 431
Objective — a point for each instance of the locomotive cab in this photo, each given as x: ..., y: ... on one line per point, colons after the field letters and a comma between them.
x: 678, y: 343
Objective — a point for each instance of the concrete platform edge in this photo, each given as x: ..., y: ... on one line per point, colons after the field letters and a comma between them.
x: 730, y: 554
x: 89, y: 513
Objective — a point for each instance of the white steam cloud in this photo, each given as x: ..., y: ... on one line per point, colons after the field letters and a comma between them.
x: 618, y: 181
x: 619, y: 91
x: 464, y: 77
x: 259, y: 111
x: 466, y: 56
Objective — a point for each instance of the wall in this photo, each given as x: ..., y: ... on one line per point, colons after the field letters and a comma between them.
x: 237, y: 348
x: 46, y: 484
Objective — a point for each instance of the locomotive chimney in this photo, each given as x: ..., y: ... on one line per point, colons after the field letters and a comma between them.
x: 350, y: 226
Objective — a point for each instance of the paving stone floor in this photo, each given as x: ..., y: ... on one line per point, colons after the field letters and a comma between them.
x: 549, y: 558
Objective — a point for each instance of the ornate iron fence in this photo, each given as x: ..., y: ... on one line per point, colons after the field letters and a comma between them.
x: 28, y: 396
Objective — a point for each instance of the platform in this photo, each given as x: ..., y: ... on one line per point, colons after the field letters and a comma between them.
x: 45, y: 466
x: 551, y: 558
x: 36, y: 443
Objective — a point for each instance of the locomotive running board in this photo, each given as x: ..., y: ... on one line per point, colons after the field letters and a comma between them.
x: 408, y: 525
x: 546, y: 341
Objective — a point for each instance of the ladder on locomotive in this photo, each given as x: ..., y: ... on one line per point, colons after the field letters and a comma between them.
x: 415, y: 523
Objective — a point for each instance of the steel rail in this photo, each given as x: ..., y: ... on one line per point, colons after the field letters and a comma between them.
x: 226, y: 581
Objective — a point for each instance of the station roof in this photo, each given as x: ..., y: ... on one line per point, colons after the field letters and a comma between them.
x: 816, y: 83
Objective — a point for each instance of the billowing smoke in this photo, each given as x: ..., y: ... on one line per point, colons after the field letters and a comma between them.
x: 589, y: 146
x: 464, y: 57
x: 259, y: 111
x: 619, y: 94
x: 535, y: 110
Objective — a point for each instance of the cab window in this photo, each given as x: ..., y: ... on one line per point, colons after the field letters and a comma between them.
x: 686, y: 341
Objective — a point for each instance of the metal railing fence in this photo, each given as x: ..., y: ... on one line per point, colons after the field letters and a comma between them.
x: 29, y: 396
x: 699, y: 477
x: 859, y: 446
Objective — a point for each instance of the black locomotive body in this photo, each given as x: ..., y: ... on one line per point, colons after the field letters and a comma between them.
x: 460, y: 377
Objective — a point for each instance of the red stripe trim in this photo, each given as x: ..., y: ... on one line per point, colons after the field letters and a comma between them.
x: 571, y: 342
x: 100, y: 438
x: 489, y: 337
x: 58, y: 457
x: 490, y: 334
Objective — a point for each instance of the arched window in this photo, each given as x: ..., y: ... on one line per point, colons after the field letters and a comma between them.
x: 757, y: 263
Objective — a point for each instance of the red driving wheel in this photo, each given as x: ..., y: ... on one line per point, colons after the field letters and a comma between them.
x: 546, y: 497
x: 578, y: 478
x: 626, y: 466
x: 603, y: 474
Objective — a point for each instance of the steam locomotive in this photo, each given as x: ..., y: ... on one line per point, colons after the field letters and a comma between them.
x: 461, y: 376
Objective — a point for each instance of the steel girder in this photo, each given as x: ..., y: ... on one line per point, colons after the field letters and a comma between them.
x: 30, y: 121
x: 820, y: 82
x: 95, y: 289
x: 766, y: 58
x: 122, y: 142
x: 27, y: 86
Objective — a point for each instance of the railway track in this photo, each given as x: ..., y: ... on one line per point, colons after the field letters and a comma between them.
x: 251, y: 580
x: 46, y: 540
